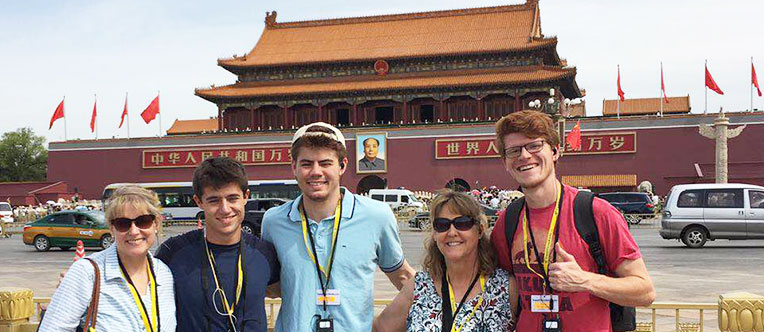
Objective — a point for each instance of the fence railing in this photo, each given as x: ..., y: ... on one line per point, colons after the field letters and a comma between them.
x: 272, y: 305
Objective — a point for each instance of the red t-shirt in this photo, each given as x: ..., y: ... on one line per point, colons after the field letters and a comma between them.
x: 578, y: 311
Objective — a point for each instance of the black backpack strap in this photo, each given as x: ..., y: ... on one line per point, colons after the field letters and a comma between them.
x: 583, y: 214
x: 511, y: 217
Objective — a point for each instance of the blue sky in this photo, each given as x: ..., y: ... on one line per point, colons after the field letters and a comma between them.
x: 51, y: 49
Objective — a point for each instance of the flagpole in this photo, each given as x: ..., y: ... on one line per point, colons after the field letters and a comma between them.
x: 160, y: 115
x: 618, y: 103
x: 64, y: 109
x: 663, y: 93
x: 751, y: 84
x: 705, y: 92
x: 95, y: 120
x: 128, y: 117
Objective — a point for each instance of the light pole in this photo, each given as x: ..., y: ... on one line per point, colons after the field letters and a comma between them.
x: 558, y: 114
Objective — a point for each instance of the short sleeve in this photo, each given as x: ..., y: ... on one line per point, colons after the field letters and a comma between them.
x: 265, y: 226
x: 616, y: 239
x: 269, y: 251
x: 389, y: 251
x: 499, y: 241
x: 71, y: 299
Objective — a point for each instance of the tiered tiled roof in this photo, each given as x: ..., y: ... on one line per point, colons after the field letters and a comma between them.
x: 181, y: 127
x: 514, y: 75
x: 436, y: 33
x: 642, y: 106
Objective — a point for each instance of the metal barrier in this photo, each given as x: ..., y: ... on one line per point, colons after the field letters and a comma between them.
x: 272, y: 306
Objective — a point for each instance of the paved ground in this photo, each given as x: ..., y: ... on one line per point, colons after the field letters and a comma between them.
x: 680, y: 274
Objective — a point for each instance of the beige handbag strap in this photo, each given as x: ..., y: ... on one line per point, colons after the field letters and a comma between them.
x: 90, y: 319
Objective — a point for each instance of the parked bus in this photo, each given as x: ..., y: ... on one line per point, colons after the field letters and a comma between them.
x: 177, y: 199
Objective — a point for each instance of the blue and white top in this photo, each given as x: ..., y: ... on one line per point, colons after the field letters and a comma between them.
x: 117, y: 310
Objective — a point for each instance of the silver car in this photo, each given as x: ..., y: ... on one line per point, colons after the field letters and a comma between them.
x: 696, y: 213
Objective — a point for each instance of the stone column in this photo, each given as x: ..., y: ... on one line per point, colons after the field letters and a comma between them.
x: 16, y: 307
x: 741, y: 312
x: 721, y: 133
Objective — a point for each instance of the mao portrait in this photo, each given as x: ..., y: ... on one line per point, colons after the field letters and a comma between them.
x: 371, y: 151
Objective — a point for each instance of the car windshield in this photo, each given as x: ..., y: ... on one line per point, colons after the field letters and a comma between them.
x: 98, y: 216
x: 5, y: 207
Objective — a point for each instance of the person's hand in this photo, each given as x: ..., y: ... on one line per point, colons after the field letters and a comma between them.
x: 565, y: 275
x: 61, y: 277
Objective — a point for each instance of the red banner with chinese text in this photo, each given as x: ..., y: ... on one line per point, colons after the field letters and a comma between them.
x: 247, y: 155
x: 485, y: 146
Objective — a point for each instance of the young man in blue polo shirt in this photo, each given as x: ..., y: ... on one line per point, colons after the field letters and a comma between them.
x: 221, y: 274
x: 330, y: 241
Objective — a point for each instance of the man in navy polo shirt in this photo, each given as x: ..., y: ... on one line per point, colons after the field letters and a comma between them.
x: 330, y: 241
x: 221, y: 274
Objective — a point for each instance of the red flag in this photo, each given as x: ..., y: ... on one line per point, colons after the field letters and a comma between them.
x: 754, y: 80
x: 59, y: 113
x: 663, y: 87
x: 711, y: 84
x: 574, y: 137
x: 151, y: 112
x: 620, y: 92
x: 124, y: 114
x: 93, y: 117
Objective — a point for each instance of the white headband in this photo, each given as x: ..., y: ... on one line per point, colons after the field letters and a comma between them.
x: 336, y: 135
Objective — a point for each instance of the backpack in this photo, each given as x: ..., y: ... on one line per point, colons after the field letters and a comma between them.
x: 621, y: 318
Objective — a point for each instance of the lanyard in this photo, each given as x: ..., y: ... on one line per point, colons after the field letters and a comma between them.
x: 306, y: 233
x: 241, y: 283
x: 551, y: 237
x: 456, y: 309
x: 151, y: 325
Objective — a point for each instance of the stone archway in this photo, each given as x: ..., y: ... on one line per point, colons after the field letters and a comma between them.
x: 370, y: 182
x: 458, y: 184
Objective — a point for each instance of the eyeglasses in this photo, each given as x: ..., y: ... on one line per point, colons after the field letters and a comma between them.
x: 532, y: 147
x: 143, y: 222
x: 462, y: 223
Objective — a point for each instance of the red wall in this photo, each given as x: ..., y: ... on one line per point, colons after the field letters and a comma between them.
x: 664, y: 157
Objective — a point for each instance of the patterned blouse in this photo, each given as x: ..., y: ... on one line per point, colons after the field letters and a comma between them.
x: 492, y: 315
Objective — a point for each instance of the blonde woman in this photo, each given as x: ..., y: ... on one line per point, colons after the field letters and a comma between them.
x: 460, y: 288
x: 136, y: 290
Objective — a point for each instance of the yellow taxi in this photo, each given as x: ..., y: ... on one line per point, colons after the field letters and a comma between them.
x: 63, y: 229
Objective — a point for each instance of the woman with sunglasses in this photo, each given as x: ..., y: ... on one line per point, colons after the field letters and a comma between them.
x: 460, y: 289
x: 136, y: 290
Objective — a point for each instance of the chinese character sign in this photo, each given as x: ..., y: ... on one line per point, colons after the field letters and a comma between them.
x: 482, y: 147
x: 247, y: 155
x: 605, y: 143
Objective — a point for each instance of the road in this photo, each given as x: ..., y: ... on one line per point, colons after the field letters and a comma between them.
x: 680, y: 274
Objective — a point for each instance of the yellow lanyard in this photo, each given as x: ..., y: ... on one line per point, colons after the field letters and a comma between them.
x: 334, y: 237
x: 549, y: 240
x: 474, y: 309
x: 229, y: 308
x: 151, y: 326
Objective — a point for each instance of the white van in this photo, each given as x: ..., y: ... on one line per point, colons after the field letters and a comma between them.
x: 6, y: 212
x: 696, y: 213
x: 397, y: 198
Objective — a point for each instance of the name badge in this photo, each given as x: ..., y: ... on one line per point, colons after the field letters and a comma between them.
x: 545, y: 303
x: 332, y: 297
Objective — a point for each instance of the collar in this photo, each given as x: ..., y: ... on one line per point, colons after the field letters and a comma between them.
x: 348, y: 206
x: 111, y: 268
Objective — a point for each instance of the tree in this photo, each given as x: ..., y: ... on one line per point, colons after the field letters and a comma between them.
x: 23, y: 156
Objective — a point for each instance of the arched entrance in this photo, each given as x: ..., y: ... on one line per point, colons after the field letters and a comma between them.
x: 370, y: 182
x: 458, y: 184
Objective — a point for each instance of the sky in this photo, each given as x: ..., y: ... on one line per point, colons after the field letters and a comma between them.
x: 87, y: 50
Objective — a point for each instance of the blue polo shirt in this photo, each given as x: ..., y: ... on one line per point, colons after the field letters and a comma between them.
x: 368, y: 237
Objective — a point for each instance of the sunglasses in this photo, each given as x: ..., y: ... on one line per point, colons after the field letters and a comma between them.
x: 143, y: 222
x: 462, y: 223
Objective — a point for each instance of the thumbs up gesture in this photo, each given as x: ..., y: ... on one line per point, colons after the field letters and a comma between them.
x: 565, y: 275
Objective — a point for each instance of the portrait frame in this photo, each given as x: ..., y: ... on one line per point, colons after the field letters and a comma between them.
x: 361, y: 160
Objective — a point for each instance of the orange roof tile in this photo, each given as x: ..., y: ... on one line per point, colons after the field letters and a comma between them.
x: 490, y: 29
x: 193, y: 126
x: 641, y: 106
x: 391, y: 82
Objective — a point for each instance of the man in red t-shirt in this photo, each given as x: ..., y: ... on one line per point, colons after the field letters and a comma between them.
x: 554, y: 273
